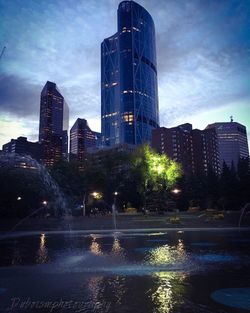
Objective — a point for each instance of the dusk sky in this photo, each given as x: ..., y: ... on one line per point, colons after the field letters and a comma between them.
x: 203, y: 56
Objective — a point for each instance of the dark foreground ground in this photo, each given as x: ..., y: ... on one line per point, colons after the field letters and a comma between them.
x: 124, y: 221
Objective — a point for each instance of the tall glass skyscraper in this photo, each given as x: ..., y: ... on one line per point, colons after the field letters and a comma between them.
x: 129, y: 92
x: 53, y: 127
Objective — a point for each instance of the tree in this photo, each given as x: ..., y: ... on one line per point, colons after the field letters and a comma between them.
x: 154, y: 174
x: 70, y: 179
x: 229, y: 188
x: 244, y: 180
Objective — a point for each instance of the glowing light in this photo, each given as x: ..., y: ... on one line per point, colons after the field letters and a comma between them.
x: 163, y: 295
x: 97, y: 195
x: 167, y: 254
x: 160, y: 170
x: 95, y: 247
x: 116, y: 248
x: 176, y: 191
x: 42, y: 254
x: 45, y: 202
x: 19, y: 198
x: 161, y: 255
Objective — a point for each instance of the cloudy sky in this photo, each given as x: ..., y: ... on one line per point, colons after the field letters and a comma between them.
x: 203, y: 55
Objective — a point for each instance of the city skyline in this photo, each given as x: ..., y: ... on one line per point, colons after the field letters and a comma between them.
x: 202, y: 62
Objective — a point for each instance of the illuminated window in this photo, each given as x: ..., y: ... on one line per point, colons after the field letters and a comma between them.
x: 128, y: 118
x: 127, y: 91
x: 109, y: 115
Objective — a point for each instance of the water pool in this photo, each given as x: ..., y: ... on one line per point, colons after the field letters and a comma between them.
x: 165, y: 272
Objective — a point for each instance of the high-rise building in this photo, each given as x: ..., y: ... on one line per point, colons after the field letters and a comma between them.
x: 53, y: 127
x: 176, y: 142
x: 98, y: 139
x: 196, y: 150
x: 129, y: 94
x: 23, y: 147
x: 205, y: 152
x: 81, y: 139
x: 232, y: 141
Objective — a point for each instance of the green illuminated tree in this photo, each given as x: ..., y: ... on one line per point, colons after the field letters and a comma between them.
x: 154, y: 173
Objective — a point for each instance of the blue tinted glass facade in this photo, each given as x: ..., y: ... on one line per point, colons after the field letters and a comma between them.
x: 129, y: 78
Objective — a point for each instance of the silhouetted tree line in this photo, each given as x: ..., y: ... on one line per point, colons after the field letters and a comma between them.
x: 129, y: 176
x: 229, y: 191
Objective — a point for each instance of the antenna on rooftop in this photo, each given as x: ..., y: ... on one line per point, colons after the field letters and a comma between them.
x: 231, y: 118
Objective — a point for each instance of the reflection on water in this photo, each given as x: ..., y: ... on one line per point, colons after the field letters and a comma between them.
x: 95, y: 247
x: 96, y: 288
x: 16, y: 258
x: 117, y: 248
x: 181, y: 249
x: 168, y: 293
x: 113, y: 274
x: 163, y: 295
x: 42, y: 253
x: 118, y: 284
x: 167, y: 254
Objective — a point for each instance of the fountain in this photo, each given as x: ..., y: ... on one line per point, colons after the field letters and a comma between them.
x: 10, y: 161
x: 243, y: 210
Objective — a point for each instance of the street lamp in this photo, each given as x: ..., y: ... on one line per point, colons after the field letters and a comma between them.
x: 96, y: 195
x: 114, y: 209
x: 114, y: 204
x: 176, y: 191
x: 19, y: 198
x: 44, y: 202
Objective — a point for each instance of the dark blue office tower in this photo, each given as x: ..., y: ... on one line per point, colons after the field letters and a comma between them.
x: 53, y: 126
x: 129, y: 79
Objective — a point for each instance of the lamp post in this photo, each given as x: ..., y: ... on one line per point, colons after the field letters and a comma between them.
x: 176, y: 192
x: 96, y: 196
x: 83, y: 206
x: 114, y: 209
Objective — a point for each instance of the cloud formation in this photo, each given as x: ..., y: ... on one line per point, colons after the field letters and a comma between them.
x: 203, y: 50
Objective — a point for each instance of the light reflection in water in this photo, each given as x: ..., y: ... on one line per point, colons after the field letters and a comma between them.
x: 163, y: 296
x: 95, y: 247
x: 181, y: 249
x: 42, y: 253
x: 117, y: 248
x: 168, y: 293
x: 167, y: 254
x: 96, y: 288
